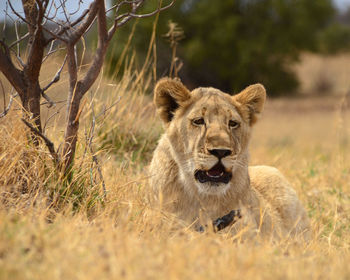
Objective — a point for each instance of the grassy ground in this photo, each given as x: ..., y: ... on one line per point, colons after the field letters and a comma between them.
x: 69, y: 230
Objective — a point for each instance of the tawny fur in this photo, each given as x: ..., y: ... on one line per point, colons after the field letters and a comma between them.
x: 268, y: 203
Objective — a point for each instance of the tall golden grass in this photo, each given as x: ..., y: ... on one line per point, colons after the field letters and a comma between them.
x: 50, y: 229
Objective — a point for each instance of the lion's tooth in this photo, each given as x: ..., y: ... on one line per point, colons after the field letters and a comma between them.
x: 213, y: 176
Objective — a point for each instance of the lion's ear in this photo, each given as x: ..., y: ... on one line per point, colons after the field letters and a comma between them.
x: 251, y: 101
x: 169, y: 95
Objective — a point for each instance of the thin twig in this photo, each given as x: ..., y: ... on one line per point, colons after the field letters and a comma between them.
x: 3, y: 94
x: 17, y: 36
x: 20, y: 61
x: 124, y: 18
x: 77, y: 10
x: 63, y: 5
x: 18, y: 15
x: 7, y: 67
x: 47, y: 141
x: 7, y: 109
x: 12, y: 97
x: 154, y: 12
x: 56, y: 102
x: 116, y: 6
x: 48, y: 12
x: 49, y: 51
x: 49, y: 118
x: 19, y: 40
x: 94, y: 157
x: 107, y: 109
x: 5, y: 20
x: 48, y: 99
x: 57, y: 76
x: 54, y: 80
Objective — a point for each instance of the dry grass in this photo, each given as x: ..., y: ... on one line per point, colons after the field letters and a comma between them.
x: 46, y: 233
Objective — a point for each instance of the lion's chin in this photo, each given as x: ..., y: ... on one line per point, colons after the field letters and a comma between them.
x: 210, y: 188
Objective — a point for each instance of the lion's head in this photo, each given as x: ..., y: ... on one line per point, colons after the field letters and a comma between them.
x: 208, y: 130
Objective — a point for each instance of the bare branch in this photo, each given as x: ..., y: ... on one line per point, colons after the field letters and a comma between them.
x: 54, y: 80
x: 36, y: 14
x: 54, y: 14
x: 49, y: 118
x: 160, y: 9
x: 4, y: 27
x: 52, y: 51
x: 79, y: 19
x: 64, y: 28
x: 18, y: 15
x: 17, y: 36
x: 91, y: 14
x: 37, y: 44
x: 20, y: 61
x: 73, y: 74
x: 19, y: 40
x: 57, y: 76
x: 7, y: 109
x: 127, y: 17
x: 63, y: 5
x: 100, y: 53
x: 48, y: 12
x: 3, y: 94
x: 49, y: 144
x: 110, y: 107
x: 124, y: 18
x: 48, y: 99
x: 117, y: 6
x: 77, y: 10
x: 9, y: 70
x: 54, y: 35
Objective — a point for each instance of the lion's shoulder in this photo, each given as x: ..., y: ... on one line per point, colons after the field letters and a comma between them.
x: 275, y: 189
x: 271, y: 184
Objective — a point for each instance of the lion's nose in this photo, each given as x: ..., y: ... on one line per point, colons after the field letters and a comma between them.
x: 220, y: 153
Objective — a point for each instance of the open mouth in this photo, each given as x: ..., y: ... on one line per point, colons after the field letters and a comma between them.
x: 216, y: 174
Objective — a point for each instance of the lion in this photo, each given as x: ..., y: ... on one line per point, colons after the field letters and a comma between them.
x: 199, y: 170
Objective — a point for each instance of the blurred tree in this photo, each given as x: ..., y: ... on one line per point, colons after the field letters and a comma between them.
x: 231, y: 44
x: 336, y: 36
x: 334, y: 39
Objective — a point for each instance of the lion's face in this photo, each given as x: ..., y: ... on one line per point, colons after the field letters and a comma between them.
x: 208, y: 130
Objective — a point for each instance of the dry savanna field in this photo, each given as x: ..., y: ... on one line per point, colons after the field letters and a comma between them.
x: 54, y: 229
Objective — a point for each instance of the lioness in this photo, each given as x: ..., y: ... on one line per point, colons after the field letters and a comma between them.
x: 200, y: 166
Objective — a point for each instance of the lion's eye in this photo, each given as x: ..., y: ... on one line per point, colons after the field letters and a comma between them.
x: 233, y: 124
x: 198, y: 121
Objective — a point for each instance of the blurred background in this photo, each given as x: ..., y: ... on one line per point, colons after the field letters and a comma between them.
x: 292, y: 47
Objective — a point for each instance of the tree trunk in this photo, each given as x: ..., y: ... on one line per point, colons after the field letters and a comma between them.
x: 31, y: 104
x: 71, y: 132
x: 36, y: 45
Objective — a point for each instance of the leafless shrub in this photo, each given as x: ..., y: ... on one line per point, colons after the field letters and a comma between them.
x: 46, y: 34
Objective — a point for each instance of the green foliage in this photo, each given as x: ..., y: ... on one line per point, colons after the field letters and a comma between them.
x: 254, y: 41
x: 231, y: 44
x: 335, y: 38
